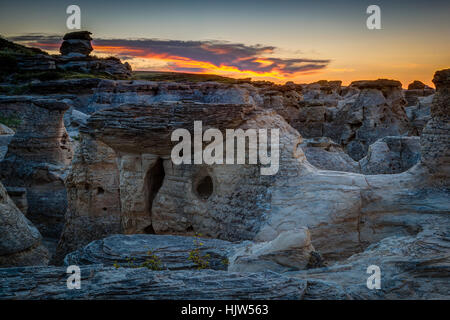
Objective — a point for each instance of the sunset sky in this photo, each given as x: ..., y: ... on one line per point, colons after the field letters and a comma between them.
x: 300, y: 41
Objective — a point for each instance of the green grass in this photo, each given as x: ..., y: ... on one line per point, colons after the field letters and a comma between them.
x: 10, y: 121
x: 11, y: 48
x: 184, y: 77
x: 56, y: 75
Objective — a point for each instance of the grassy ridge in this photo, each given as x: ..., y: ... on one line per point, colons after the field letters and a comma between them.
x: 184, y: 77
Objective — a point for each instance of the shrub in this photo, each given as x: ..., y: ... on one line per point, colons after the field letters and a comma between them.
x: 201, y: 261
x: 152, y: 262
x: 12, y: 122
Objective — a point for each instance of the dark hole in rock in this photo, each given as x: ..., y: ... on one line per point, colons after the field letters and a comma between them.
x: 104, y: 209
x: 190, y: 229
x: 155, y: 178
x: 205, y: 187
x: 100, y: 190
x: 149, y: 230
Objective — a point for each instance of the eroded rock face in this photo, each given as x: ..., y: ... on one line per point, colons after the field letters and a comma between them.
x: 93, y: 196
x: 419, y: 114
x: 391, y: 155
x: 412, y: 267
x: 110, y: 283
x: 377, y: 111
x: 416, y: 90
x: 241, y: 204
x: 37, y: 159
x: 324, y: 153
x: 20, y: 241
x: 6, y: 135
x: 435, y: 136
x: 290, y: 250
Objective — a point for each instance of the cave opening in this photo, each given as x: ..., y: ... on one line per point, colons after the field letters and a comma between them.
x: 205, y: 187
x: 155, y: 178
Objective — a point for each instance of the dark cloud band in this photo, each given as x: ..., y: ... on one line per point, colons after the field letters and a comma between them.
x: 256, y: 58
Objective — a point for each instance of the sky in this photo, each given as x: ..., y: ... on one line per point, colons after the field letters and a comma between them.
x: 300, y: 41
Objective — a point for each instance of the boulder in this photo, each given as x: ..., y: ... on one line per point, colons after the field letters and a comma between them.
x: 20, y: 241
x: 4, y: 130
x: 172, y: 251
x: 290, y: 250
x: 78, y: 42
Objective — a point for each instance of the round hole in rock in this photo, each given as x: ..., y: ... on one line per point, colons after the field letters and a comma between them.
x: 100, y: 190
x: 205, y: 187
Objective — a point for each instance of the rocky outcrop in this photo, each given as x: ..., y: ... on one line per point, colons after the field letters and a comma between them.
x: 20, y: 241
x: 173, y: 252
x: 4, y: 130
x: 93, y: 195
x: 387, y: 155
x: 99, y: 282
x: 419, y: 114
x: 377, y: 111
x: 354, y: 116
x: 6, y: 135
x: 435, y: 142
x: 290, y: 250
x: 412, y: 267
x: 416, y: 90
x: 332, y: 205
x: 37, y: 159
x: 75, y: 57
x: 391, y: 155
x: 324, y: 153
x: 77, y: 43
x: 19, y: 197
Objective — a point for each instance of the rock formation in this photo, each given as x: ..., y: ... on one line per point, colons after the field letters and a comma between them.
x: 296, y: 194
x: 172, y: 251
x: 355, y: 186
x: 415, y: 90
x: 20, y: 241
x: 75, y: 57
x: 435, y: 136
x: 76, y: 44
x: 377, y: 111
x: 142, y: 284
x: 6, y: 135
x: 391, y: 155
x: 324, y: 153
x: 37, y: 159
x: 93, y: 195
